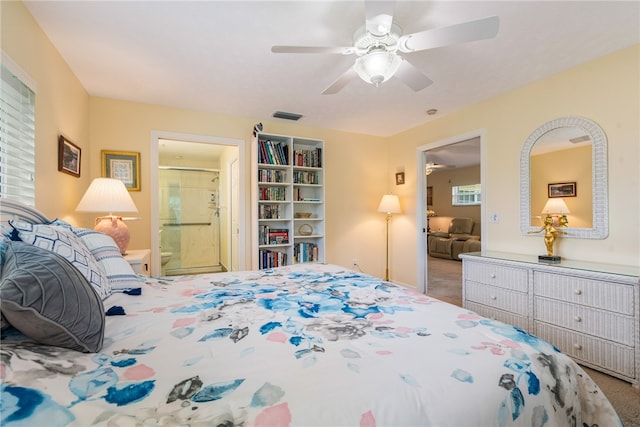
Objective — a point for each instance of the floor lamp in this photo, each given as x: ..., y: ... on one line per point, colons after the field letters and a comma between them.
x: 389, y: 205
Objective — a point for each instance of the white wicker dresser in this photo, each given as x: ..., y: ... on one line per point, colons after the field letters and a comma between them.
x: 588, y: 310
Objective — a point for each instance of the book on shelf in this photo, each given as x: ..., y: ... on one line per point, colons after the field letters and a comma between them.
x: 278, y: 236
x: 308, y: 158
x: 305, y: 252
x: 269, y: 211
x: 272, y: 152
x: 271, y: 259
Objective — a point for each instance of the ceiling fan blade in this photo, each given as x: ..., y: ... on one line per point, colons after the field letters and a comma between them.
x: 480, y: 29
x: 411, y: 76
x: 379, y: 16
x: 341, y: 82
x: 313, y: 49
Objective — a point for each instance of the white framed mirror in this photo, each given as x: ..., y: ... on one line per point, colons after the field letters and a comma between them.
x: 574, y: 149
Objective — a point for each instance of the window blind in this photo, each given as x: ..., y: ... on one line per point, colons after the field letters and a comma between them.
x: 17, y: 139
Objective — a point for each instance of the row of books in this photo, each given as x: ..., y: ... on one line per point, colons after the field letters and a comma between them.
x: 305, y: 177
x: 271, y: 259
x: 305, y: 252
x: 268, y: 211
x: 308, y: 158
x: 273, y: 152
x: 270, y: 175
x: 273, y: 193
x: 272, y: 236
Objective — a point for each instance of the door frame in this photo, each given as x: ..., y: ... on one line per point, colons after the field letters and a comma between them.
x: 155, y: 190
x: 421, y: 202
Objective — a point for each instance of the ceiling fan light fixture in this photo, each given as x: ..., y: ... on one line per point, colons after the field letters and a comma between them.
x: 377, y: 66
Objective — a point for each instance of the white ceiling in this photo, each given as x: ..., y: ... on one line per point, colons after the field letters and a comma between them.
x: 215, y: 55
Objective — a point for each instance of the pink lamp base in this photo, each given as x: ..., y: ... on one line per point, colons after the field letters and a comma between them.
x: 116, y: 228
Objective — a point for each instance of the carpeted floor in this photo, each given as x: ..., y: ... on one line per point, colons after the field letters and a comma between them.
x: 445, y: 283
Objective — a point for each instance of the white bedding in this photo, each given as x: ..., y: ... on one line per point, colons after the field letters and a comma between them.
x: 296, y: 346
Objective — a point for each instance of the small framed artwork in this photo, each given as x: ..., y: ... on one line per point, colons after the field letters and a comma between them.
x: 563, y: 189
x: 400, y: 178
x: 430, y: 195
x: 122, y: 165
x: 69, y: 156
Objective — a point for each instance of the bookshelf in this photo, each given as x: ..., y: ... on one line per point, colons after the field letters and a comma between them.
x: 287, y: 201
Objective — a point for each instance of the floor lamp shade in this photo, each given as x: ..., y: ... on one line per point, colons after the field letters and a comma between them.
x: 389, y: 204
x: 109, y: 195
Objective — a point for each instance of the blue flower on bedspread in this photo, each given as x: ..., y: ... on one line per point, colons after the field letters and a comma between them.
x: 27, y: 406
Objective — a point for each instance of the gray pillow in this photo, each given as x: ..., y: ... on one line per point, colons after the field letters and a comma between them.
x: 47, y: 299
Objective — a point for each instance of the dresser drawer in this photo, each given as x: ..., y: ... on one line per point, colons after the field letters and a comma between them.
x: 601, y: 323
x: 615, y: 357
x: 497, y: 275
x: 595, y: 293
x: 493, y: 296
x: 503, y: 316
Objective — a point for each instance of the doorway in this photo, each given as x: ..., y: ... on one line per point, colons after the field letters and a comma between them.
x: 196, y: 204
x: 447, y: 155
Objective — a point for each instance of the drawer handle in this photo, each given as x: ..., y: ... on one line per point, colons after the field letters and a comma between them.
x: 493, y: 297
x: 578, y: 291
x: 577, y: 318
x: 492, y: 275
x: 577, y: 346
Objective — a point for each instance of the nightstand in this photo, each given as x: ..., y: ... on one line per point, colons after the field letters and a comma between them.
x: 140, y: 260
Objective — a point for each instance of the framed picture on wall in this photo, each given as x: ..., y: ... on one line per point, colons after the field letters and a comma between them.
x: 69, y: 156
x: 122, y: 165
x: 430, y: 195
x: 400, y: 178
x: 563, y: 189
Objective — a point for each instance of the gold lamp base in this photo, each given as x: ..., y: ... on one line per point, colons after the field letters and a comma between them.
x: 114, y: 227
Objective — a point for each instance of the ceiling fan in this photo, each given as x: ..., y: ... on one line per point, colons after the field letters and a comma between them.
x: 431, y: 166
x: 378, y: 42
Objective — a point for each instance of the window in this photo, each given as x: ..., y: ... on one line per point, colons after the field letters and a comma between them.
x: 17, y: 138
x: 464, y: 195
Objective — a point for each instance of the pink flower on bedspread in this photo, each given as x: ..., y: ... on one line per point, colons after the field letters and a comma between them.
x: 139, y: 372
x: 278, y: 415
x: 367, y: 420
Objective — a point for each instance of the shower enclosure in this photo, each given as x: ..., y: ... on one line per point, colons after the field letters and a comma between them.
x: 189, y: 220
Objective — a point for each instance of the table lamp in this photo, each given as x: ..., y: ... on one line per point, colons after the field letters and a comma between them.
x: 109, y: 195
x: 554, y: 206
x: 389, y: 204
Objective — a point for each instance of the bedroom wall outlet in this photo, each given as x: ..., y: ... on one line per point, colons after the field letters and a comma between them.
x: 494, y: 218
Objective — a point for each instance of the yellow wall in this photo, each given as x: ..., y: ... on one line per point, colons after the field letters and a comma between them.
x: 62, y: 107
x: 570, y: 165
x: 359, y: 168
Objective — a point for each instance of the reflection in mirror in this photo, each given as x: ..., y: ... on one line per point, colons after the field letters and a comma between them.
x: 571, y: 153
x: 562, y: 156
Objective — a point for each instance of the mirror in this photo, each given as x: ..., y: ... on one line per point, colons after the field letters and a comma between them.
x: 566, y: 157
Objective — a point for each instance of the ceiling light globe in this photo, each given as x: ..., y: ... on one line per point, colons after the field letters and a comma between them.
x: 378, y: 66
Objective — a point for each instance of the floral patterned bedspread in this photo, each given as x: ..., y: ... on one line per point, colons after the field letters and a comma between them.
x: 297, y: 346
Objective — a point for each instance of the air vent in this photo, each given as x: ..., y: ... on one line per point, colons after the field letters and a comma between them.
x: 287, y: 116
x: 579, y: 139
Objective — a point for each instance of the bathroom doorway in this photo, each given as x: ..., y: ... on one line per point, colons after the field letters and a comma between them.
x: 196, y: 206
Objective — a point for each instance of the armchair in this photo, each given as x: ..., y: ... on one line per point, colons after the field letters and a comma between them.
x: 462, y: 236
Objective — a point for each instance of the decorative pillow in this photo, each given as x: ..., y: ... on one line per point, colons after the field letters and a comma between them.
x: 119, y: 272
x: 49, y: 300
x: 63, y: 242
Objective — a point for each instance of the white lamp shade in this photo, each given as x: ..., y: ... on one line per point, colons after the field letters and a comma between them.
x: 389, y: 204
x: 555, y: 205
x: 377, y: 67
x: 106, y: 195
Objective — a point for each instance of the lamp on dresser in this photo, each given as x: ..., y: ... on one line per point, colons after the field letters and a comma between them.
x: 389, y: 204
x: 109, y: 195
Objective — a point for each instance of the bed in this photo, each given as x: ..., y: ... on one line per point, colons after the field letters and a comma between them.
x: 302, y: 345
